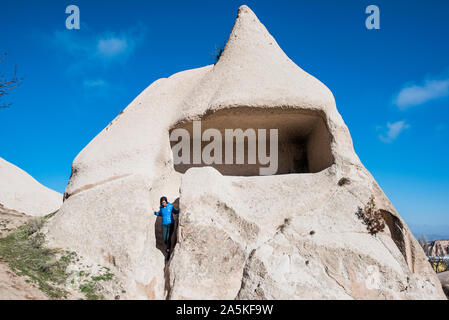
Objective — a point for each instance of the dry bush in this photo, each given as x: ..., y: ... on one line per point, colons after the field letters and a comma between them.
x: 37, y: 241
x: 218, y: 52
x: 371, y: 217
x: 34, y: 225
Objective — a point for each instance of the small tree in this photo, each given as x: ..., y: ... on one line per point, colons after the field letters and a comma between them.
x: 7, y: 83
x: 371, y: 217
x: 218, y: 52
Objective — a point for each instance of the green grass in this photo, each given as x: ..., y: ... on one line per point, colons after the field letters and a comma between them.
x: 90, y: 291
x: 90, y: 287
x: 24, y: 252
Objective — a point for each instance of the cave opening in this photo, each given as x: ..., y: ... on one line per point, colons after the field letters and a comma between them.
x: 248, y: 141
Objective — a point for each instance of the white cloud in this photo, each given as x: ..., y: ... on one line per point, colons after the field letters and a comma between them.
x: 90, y: 49
x: 99, y: 89
x: 94, y: 83
x: 413, y: 95
x: 112, y: 47
x: 393, y: 130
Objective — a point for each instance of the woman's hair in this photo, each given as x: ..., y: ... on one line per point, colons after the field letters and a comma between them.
x: 162, y: 199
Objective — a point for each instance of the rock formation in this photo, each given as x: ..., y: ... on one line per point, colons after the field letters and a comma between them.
x: 294, y: 235
x: 444, y: 279
x: 22, y: 194
x: 437, y: 248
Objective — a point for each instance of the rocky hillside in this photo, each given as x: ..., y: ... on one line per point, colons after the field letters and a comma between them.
x: 437, y: 248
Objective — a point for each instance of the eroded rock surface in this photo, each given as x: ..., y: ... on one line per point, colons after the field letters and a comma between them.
x: 289, y: 237
x: 444, y: 279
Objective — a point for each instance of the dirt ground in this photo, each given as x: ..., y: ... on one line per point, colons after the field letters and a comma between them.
x: 10, y: 221
x: 13, y: 287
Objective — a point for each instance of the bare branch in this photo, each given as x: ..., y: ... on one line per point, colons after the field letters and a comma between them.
x: 7, y: 84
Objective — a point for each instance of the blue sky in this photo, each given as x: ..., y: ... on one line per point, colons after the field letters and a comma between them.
x: 391, y: 85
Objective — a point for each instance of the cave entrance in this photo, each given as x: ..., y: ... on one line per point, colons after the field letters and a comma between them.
x: 303, y: 141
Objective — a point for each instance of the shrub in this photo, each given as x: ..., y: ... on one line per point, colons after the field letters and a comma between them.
x: 34, y: 225
x: 371, y: 217
x: 38, y: 240
x: 218, y: 53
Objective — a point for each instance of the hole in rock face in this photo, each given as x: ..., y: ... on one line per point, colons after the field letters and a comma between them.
x: 247, y: 141
x: 396, y: 229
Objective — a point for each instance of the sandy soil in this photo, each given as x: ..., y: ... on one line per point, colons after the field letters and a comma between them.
x: 13, y: 287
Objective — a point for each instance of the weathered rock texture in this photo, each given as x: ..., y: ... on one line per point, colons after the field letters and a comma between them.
x: 20, y: 193
x: 444, y: 279
x: 294, y: 235
x: 437, y: 248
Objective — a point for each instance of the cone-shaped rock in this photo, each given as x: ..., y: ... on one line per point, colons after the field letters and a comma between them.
x: 303, y: 233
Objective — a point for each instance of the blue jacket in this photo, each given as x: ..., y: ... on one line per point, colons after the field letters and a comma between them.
x: 166, y: 213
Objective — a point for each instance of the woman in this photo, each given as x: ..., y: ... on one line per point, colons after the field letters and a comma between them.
x: 166, y: 210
